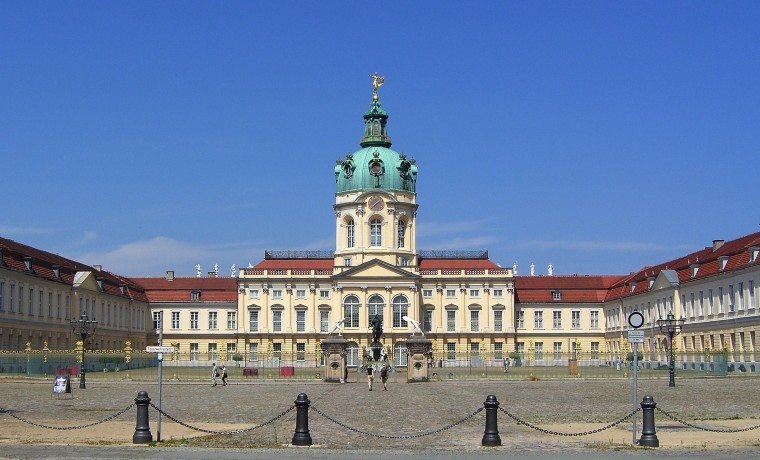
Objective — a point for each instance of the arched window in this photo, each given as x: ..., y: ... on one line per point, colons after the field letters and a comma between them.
x: 400, y: 309
x: 350, y: 233
x: 351, y: 311
x: 375, y: 232
x: 375, y: 304
x: 401, y: 233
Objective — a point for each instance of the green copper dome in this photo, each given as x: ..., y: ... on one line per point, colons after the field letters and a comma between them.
x: 375, y: 165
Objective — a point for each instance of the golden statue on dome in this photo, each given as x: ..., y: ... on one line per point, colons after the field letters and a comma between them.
x: 377, y: 81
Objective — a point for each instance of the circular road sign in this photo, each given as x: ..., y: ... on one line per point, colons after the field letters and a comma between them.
x: 636, y: 319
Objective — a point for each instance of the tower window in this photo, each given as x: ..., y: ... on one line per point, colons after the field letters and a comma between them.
x: 375, y: 233
x: 401, y: 233
x: 350, y: 233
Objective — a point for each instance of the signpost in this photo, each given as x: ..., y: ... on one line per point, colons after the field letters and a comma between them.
x: 159, y: 350
x: 635, y: 336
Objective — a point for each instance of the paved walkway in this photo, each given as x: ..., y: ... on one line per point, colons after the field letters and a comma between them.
x: 399, y: 419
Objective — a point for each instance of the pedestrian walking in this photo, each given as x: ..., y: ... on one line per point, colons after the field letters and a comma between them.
x: 384, y: 371
x: 224, y: 375
x: 370, y: 376
x: 214, y: 374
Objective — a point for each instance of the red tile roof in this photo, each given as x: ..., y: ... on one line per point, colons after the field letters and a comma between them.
x: 179, y: 289
x: 573, y: 289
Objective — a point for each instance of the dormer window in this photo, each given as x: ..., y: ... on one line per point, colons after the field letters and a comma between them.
x: 694, y: 270
x: 556, y: 295
x: 753, y: 252
x: 722, y: 261
x: 632, y: 286
x: 195, y: 295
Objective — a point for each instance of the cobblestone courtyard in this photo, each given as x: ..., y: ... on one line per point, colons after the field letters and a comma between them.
x: 394, y: 418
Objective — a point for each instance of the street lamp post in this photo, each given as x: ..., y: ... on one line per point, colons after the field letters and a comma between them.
x: 86, y: 328
x: 670, y: 326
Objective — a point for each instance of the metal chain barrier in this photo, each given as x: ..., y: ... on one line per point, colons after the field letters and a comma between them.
x: 716, y: 430
x: 390, y: 436
x: 559, y: 433
x: 242, y: 430
x: 78, y: 427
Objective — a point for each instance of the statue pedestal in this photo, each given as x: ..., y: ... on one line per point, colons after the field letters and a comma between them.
x: 419, y: 350
x: 334, y: 351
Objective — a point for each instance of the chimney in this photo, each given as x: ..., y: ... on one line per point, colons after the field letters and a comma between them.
x: 98, y: 267
x: 169, y: 275
x: 717, y: 244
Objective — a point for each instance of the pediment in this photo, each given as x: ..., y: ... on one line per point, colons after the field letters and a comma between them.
x: 666, y: 279
x: 85, y: 280
x: 374, y: 270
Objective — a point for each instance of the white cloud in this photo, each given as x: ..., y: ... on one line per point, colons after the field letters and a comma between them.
x: 155, y: 256
x: 88, y: 236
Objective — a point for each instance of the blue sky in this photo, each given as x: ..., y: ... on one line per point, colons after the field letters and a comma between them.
x: 598, y: 136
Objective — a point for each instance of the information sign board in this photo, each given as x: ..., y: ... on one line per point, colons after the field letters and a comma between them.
x: 636, y: 336
x: 157, y: 349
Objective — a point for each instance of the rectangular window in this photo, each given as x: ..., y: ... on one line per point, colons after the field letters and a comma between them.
x: 474, y: 292
x: 730, y: 298
x: 701, y: 303
x: 498, y: 316
x: 710, y: 302
x: 693, y: 310
x: 253, y: 351
x: 231, y: 348
x: 520, y: 319
x: 300, y: 352
x: 40, y: 301
x: 277, y: 320
x: 231, y: 320
x: 50, y: 304
x: 539, y: 351
x: 175, y: 320
x: 277, y: 293
x: 474, y: 349
x: 253, y: 320
x: 212, y: 352
x: 193, y: 352
x: 254, y: 293
x: 213, y: 318
x: 324, y: 321
x: 751, y: 288
x: 301, y: 321
x: 474, y: 320
x: 12, y: 289
x: 301, y: 293
x: 556, y: 295
x: 594, y: 350
x: 194, y: 320
x: 498, y: 350
x: 451, y: 293
x: 538, y: 320
x: 594, y: 320
x: 2, y: 295
x: 520, y: 349
x: 557, y: 350
x: 346, y: 261
x: 21, y: 298
x: 451, y: 316
x: 740, y: 291
x: 720, y: 299
x: 324, y: 293
x: 158, y: 320
x: 557, y: 319
x: 498, y: 293
x: 427, y: 293
x: 427, y: 320
x: 575, y: 319
x: 31, y: 302
x: 277, y: 350
x: 195, y: 295
x: 351, y: 315
x: 451, y: 351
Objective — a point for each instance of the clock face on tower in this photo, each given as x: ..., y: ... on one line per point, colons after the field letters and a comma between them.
x: 376, y: 203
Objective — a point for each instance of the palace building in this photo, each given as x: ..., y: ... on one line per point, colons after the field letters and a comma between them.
x: 467, y: 305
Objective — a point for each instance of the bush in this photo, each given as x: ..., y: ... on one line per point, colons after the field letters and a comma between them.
x: 237, y: 357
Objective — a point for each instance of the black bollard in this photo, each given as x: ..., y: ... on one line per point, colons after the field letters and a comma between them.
x: 142, y: 428
x: 301, y: 437
x: 491, y: 434
x: 648, y: 432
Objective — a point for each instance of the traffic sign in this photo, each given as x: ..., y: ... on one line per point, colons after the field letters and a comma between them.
x: 159, y: 349
x: 636, y: 336
x: 636, y: 319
